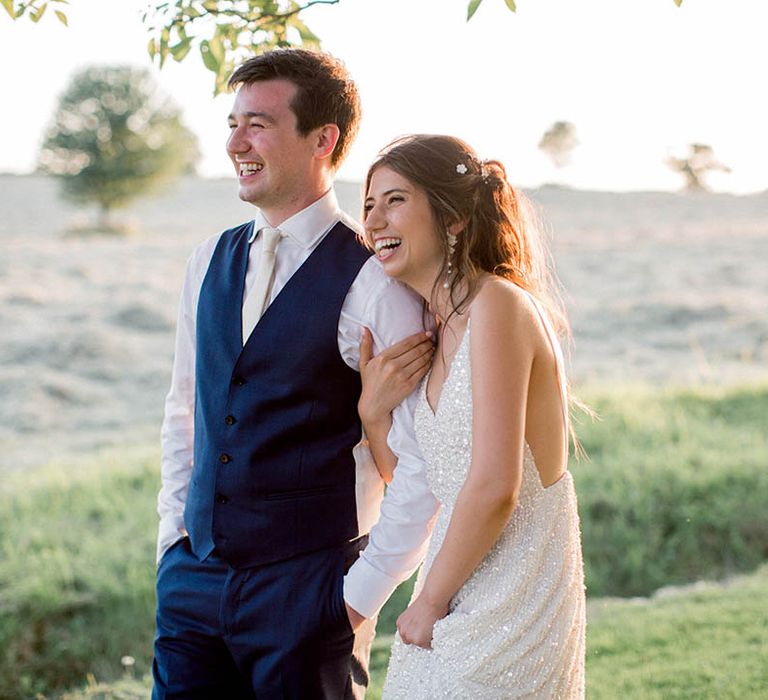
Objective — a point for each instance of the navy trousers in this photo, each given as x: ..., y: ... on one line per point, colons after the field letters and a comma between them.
x: 272, y: 631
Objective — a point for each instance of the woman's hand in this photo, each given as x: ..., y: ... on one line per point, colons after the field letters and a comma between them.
x: 416, y: 624
x: 392, y: 375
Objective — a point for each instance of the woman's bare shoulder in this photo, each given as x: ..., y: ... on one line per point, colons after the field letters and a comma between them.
x: 503, y: 306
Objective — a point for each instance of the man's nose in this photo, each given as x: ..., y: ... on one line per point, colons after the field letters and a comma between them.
x: 236, y: 143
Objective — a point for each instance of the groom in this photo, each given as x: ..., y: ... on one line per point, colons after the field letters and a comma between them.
x: 267, y: 493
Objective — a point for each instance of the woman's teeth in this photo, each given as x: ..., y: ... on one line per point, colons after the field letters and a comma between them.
x: 384, y: 247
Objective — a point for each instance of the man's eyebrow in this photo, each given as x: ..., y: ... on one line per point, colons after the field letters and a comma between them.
x: 257, y: 115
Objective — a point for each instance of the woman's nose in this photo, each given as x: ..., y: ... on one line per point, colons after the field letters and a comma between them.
x: 373, y: 219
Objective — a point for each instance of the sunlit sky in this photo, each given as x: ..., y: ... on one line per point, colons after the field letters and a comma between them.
x: 640, y: 79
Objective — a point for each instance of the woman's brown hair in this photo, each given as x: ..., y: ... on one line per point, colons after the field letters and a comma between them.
x: 499, y: 230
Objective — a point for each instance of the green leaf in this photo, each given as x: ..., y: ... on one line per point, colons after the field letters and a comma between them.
x: 62, y: 17
x: 216, y: 45
x: 180, y: 50
x: 37, y: 15
x: 222, y: 77
x: 511, y: 5
x: 152, y: 49
x: 472, y: 8
x: 208, y: 58
x: 8, y: 5
x: 306, y: 34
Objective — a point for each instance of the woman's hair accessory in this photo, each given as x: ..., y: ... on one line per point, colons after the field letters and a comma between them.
x: 484, y: 172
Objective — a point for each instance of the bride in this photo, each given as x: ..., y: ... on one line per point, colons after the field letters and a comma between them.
x: 498, y: 609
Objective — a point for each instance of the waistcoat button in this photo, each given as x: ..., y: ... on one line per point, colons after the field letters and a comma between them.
x: 230, y: 420
x: 221, y: 498
x: 225, y: 458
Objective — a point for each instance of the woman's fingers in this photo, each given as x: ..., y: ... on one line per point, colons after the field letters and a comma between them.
x: 418, y: 354
x: 404, y: 361
x: 403, y: 347
x: 366, y: 347
x: 420, y: 367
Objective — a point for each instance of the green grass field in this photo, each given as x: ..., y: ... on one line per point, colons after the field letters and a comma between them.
x: 676, y: 490
x: 708, y: 642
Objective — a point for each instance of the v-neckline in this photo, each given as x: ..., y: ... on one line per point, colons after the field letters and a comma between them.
x: 448, y: 371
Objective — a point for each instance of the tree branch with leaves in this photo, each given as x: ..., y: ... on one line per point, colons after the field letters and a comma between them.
x: 225, y: 32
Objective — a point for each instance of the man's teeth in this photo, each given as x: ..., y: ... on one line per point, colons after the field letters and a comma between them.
x: 386, y: 244
x: 250, y: 168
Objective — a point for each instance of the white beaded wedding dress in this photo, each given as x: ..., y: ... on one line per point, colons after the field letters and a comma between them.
x: 516, y: 628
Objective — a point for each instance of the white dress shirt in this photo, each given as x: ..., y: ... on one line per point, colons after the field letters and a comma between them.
x: 391, y: 311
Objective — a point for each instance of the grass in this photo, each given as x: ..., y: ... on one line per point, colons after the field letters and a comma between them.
x: 709, y: 642
x: 76, y: 573
x: 676, y: 490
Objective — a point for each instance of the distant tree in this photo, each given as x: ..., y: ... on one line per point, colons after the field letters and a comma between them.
x: 558, y: 142
x: 696, y: 165
x: 114, y: 137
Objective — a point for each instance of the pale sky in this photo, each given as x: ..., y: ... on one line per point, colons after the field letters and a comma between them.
x: 640, y: 79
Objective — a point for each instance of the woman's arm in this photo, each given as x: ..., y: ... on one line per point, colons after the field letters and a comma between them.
x: 503, y: 341
x: 388, y: 379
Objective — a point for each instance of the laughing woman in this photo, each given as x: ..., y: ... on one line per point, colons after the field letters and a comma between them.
x: 498, y: 610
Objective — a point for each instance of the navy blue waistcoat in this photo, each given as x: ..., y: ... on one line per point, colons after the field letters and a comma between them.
x: 275, y: 420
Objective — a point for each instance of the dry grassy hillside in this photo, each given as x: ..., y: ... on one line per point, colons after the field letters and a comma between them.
x: 661, y: 287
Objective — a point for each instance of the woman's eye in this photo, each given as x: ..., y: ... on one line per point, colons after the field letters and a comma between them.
x: 395, y: 199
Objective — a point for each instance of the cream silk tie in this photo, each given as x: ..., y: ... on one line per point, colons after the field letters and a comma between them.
x: 256, y: 301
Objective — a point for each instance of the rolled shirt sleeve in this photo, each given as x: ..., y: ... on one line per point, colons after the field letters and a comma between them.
x: 399, y: 539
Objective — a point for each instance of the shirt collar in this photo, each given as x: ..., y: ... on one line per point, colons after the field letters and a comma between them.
x: 308, y: 225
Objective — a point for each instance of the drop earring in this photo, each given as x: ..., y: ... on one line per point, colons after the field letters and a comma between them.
x: 449, y: 267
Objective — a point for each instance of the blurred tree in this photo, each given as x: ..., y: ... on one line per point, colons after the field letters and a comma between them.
x: 115, y: 137
x: 696, y: 165
x: 558, y: 142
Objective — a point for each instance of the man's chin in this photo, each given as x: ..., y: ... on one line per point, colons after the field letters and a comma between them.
x: 248, y: 195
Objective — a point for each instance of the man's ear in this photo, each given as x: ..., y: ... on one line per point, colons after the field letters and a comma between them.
x: 326, y: 138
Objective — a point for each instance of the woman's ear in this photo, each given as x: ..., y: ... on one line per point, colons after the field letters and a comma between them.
x: 457, y: 227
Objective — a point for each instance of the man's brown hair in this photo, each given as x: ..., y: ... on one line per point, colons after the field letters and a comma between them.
x: 326, y: 93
